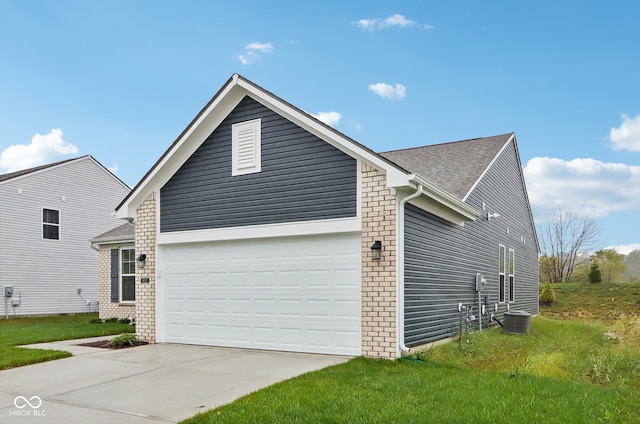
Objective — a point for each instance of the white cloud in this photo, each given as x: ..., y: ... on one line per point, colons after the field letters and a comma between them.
x: 627, y: 135
x: 396, y: 20
x: 329, y: 118
x: 42, y: 150
x: 369, y: 24
x: 625, y: 249
x: 253, y: 52
x: 581, y: 185
x: 264, y: 48
x: 387, y: 91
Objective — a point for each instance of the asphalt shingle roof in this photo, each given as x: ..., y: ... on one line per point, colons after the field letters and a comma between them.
x: 455, y: 166
x: 124, y: 231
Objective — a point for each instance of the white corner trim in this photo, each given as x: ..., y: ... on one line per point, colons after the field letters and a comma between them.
x: 326, y: 226
x: 161, y: 335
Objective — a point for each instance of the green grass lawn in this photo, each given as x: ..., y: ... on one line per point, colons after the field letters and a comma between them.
x: 580, y: 370
x: 370, y: 391
x: 28, y: 330
x: 605, y: 302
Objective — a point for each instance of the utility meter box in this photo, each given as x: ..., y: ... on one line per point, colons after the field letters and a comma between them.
x: 8, y: 291
x: 481, y: 282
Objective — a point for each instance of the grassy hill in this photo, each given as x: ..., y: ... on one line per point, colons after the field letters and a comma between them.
x: 605, y: 302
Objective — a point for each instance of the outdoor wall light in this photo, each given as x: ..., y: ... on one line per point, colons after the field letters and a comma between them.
x: 376, y: 250
x: 141, y: 260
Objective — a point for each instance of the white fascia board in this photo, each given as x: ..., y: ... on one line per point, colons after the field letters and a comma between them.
x: 326, y: 226
x: 113, y: 240
x: 188, y: 143
x: 443, y: 204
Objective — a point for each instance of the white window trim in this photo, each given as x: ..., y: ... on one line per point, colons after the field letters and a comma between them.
x: 42, y: 223
x: 120, y: 290
x: 512, y: 277
x: 501, y: 273
x: 250, y: 131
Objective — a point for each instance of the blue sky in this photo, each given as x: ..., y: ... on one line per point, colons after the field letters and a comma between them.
x: 120, y: 80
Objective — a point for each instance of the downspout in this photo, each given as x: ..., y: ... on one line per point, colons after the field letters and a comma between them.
x: 400, y: 268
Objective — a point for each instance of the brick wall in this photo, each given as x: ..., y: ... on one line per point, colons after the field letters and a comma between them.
x: 145, y: 292
x: 107, y: 308
x: 378, y: 276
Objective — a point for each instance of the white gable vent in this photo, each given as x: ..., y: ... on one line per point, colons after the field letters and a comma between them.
x: 245, y: 144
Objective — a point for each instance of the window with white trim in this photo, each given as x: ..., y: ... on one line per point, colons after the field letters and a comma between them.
x: 50, y: 224
x: 512, y: 265
x: 127, y: 274
x: 246, y: 149
x: 502, y: 268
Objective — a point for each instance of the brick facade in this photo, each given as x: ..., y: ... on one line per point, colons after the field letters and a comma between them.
x: 146, y: 292
x: 378, y: 276
x: 109, y: 309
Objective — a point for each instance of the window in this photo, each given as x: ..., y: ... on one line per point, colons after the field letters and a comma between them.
x: 512, y: 259
x: 501, y: 268
x: 127, y: 275
x: 50, y: 224
x: 246, y: 148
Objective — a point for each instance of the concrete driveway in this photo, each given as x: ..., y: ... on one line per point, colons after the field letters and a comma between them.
x: 145, y: 384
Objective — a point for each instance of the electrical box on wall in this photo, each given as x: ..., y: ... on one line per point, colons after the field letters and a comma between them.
x: 8, y: 291
x: 481, y: 282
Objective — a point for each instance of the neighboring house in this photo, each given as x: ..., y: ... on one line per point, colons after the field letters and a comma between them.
x: 47, y: 216
x: 262, y: 227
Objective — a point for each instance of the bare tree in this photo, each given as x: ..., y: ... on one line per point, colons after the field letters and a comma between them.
x: 561, y: 241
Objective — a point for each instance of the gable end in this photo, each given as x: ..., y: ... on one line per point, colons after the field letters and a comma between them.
x: 301, y: 178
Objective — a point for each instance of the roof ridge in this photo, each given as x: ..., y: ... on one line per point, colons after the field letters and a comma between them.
x: 448, y: 142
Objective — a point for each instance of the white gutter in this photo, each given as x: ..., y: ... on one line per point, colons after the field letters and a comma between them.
x: 400, y: 268
x: 445, y: 198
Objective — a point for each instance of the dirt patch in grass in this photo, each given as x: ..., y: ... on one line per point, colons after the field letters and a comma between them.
x: 105, y: 344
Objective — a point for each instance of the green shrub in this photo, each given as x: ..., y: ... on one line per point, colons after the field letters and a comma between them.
x: 123, y: 340
x: 547, y: 294
x: 124, y: 321
x: 595, y: 275
x: 111, y: 320
x: 95, y: 321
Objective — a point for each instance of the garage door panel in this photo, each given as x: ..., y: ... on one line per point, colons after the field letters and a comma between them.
x: 298, y: 294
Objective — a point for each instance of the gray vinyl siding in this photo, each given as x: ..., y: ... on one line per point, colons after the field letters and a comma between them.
x: 303, y: 178
x: 441, y: 259
x: 47, y: 273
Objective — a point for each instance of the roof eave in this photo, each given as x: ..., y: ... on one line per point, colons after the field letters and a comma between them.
x: 112, y: 240
x: 453, y: 209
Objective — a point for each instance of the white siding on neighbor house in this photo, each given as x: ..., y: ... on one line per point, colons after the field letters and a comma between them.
x: 47, y: 274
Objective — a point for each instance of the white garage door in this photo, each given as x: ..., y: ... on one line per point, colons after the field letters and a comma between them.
x: 295, y: 294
